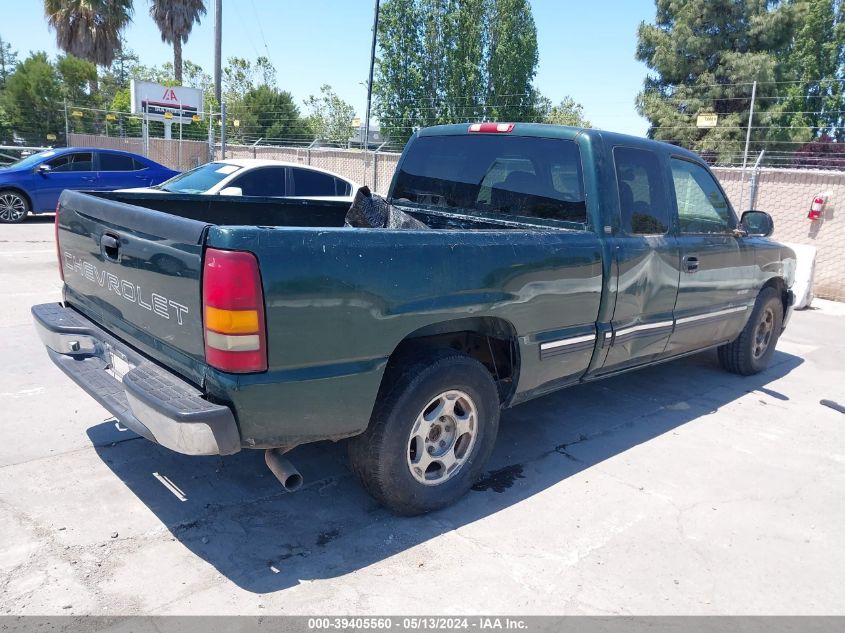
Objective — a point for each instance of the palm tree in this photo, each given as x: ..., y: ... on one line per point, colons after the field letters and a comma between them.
x: 175, y: 19
x: 89, y: 29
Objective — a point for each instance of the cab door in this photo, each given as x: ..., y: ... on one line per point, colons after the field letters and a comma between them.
x: 67, y: 171
x: 646, y: 258
x: 715, y: 293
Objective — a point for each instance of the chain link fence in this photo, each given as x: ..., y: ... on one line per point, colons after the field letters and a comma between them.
x: 785, y: 193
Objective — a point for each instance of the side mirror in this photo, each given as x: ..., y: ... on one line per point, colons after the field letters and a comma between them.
x: 757, y: 223
x: 43, y: 168
x: 230, y: 191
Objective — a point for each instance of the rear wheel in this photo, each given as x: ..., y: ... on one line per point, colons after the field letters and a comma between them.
x: 430, y: 435
x: 13, y: 207
x: 752, y: 351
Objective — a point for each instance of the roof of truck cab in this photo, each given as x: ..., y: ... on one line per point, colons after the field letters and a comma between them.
x: 546, y: 130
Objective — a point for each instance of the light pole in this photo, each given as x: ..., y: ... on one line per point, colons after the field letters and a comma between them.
x: 366, y: 140
x: 218, y: 36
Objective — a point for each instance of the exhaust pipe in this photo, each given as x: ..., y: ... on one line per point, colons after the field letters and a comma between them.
x: 284, y: 471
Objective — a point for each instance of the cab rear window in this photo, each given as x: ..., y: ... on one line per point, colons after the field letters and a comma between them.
x: 510, y: 175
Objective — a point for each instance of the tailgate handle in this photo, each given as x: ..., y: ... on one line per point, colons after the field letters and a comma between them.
x: 111, y: 246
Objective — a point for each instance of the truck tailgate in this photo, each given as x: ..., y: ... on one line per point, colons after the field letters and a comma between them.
x: 136, y: 272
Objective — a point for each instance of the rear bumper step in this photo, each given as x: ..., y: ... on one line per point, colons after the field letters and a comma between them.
x: 151, y: 401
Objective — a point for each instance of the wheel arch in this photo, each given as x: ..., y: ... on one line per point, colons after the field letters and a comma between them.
x: 20, y: 191
x: 490, y: 340
x: 779, y: 285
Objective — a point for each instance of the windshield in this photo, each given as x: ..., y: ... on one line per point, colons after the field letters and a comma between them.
x: 30, y: 161
x: 199, y: 180
x: 511, y: 175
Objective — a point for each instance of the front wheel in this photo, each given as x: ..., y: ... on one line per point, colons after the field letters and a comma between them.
x: 752, y: 351
x: 430, y: 435
x: 13, y: 207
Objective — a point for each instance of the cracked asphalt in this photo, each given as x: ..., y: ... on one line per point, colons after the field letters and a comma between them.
x: 679, y: 489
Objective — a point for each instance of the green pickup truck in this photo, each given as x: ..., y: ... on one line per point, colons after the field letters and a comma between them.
x: 553, y: 256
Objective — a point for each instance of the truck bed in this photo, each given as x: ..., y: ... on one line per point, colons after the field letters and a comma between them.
x: 338, y: 300
x: 235, y: 211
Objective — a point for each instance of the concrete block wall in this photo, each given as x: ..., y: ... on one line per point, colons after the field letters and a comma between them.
x: 787, y: 194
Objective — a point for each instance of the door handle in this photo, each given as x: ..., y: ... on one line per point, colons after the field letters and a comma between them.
x: 111, y: 246
x: 690, y: 263
x: 89, y: 178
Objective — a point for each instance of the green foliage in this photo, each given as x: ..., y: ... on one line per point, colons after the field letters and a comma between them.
x: 512, y: 60
x: 814, y: 102
x: 444, y: 61
x: 8, y: 61
x: 90, y: 29
x: 704, y: 55
x: 116, y: 77
x: 567, y: 112
x: 32, y: 101
x: 269, y: 113
x: 330, y: 117
x: 76, y: 76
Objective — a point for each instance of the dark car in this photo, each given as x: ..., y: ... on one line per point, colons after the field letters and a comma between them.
x: 33, y: 184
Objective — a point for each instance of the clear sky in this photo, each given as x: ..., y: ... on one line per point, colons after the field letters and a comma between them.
x: 586, y: 48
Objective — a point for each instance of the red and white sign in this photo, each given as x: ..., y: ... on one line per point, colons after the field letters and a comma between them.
x: 155, y: 100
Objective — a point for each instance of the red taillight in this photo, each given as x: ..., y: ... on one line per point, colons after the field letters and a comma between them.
x: 491, y: 128
x: 233, y: 312
x: 58, y: 249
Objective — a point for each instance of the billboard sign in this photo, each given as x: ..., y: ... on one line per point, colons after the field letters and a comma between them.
x: 182, y: 103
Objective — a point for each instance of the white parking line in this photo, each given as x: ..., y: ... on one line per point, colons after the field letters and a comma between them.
x: 177, y: 492
x: 49, y: 250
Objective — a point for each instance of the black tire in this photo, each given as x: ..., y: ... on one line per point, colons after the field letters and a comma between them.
x: 381, y: 456
x: 752, y: 351
x: 14, y: 207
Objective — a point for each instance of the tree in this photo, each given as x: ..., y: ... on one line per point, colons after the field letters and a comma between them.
x: 117, y: 76
x: 8, y: 61
x: 812, y: 65
x: 269, y: 113
x: 512, y: 60
x: 32, y: 98
x: 330, y: 117
x: 567, y: 112
x: 398, y: 87
x: 444, y: 61
x: 703, y: 55
x: 75, y: 75
x: 89, y: 29
x: 821, y: 153
x: 175, y: 19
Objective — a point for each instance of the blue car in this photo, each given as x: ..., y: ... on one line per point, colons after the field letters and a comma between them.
x: 34, y: 184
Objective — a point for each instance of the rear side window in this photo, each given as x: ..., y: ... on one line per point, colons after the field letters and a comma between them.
x: 267, y: 182
x: 342, y: 188
x: 314, y: 183
x: 512, y: 175
x: 642, y: 195
x: 116, y: 162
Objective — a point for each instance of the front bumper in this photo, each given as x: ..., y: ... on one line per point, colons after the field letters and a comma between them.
x: 148, y: 399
